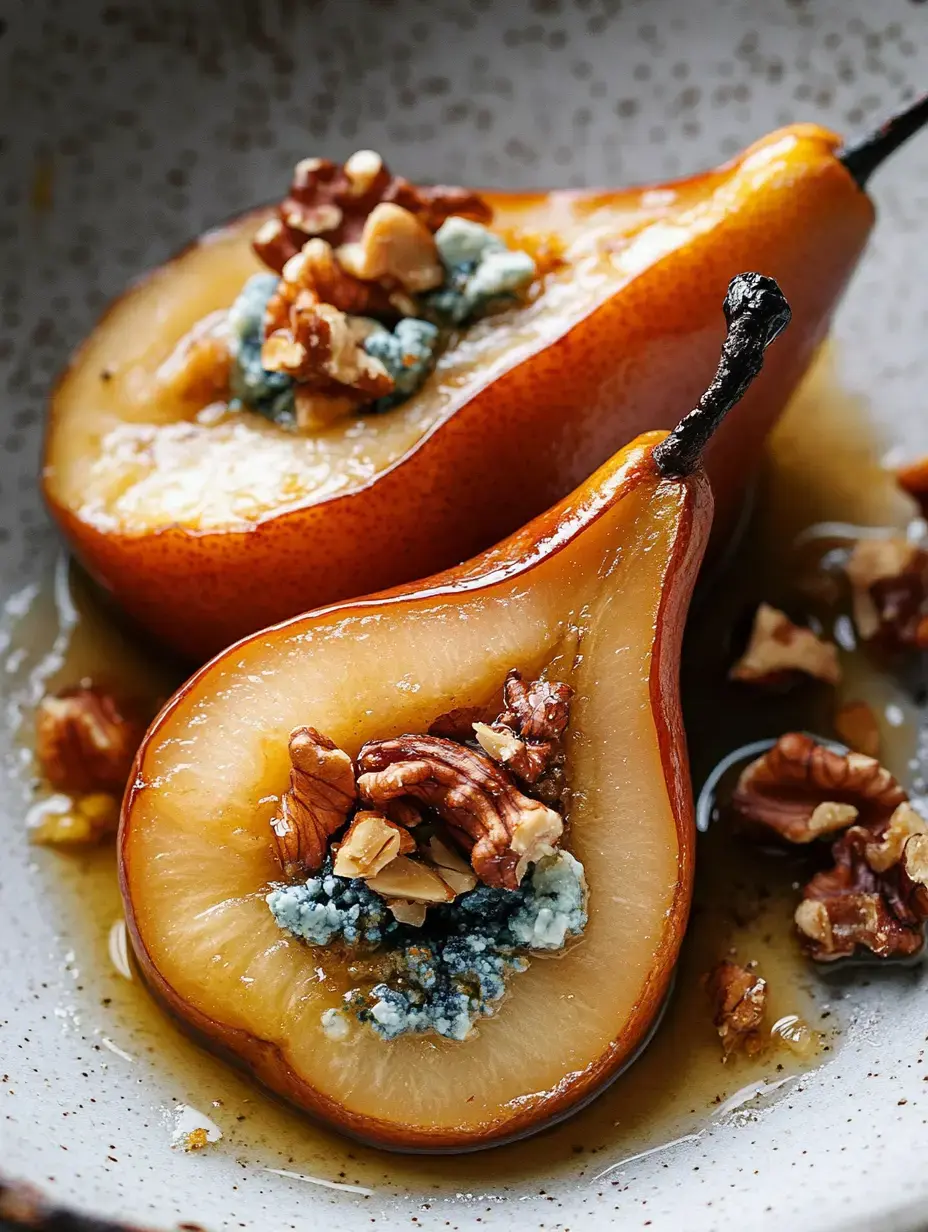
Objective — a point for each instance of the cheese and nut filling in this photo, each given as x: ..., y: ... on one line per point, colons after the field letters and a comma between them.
x: 434, y: 863
x: 371, y: 278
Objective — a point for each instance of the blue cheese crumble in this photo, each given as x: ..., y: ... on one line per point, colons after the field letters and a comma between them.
x: 453, y: 971
x: 250, y: 383
x: 481, y: 274
x: 408, y: 354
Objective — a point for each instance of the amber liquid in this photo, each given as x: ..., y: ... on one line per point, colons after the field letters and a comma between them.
x: 823, y: 468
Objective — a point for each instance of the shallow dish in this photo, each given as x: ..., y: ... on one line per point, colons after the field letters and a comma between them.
x: 129, y: 128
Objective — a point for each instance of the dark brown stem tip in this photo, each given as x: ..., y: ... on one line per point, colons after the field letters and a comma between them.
x: 756, y: 312
x: 861, y: 158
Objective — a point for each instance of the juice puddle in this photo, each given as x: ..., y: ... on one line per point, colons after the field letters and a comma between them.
x: 822, y: 469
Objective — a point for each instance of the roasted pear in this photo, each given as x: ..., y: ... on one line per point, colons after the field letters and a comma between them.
x: 592, y: 594
x: 207, y: 526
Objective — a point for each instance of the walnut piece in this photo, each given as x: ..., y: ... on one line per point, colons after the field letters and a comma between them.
x: 458, y: 724
x: 526, y: 737
x: 196, y: 372
x: 471, y: 793
x: 802, y: 790
x: 326, y: 199
x: 312, y: 338
x: 875, y: 896
x: 889, y: 581
x: 395, y: 248
x: 369, y: 845
x: 321, y: 795
x: 78, y: 821
x: 779, y: 651
x: 739, y: 999
x: 86, y: 741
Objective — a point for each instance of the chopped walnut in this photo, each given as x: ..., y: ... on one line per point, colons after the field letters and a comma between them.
x: 526, y: 737
x: 739, y: 998
x: 321, y: 348
x: 316, y: 271
x: 86, y: 741
x: 779, y: 651
x: 856, y: 725
x: 458, y: 724
x: 369, y: 845
x: 78, y: 821
x: 802, y: 790
x: 471, y: 793
x: 889, y: 580
x: 395, y: 247
x: 334, y: 201
x: 197, y: 370
x: 411, y: 881
x: 872, y: 897
x: 321, y: 795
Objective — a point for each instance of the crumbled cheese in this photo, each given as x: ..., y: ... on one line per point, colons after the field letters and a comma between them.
x: 444, y: 976
x: 335, y: 1025
x: 408, y: 354
x: 480, y: 272
x: 251, y: 385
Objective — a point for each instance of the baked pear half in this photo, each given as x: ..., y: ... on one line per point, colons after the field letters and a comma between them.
x: 342, y: 717
x: 209, y: 519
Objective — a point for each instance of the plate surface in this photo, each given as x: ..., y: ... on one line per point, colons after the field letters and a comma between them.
x: 127, y: 128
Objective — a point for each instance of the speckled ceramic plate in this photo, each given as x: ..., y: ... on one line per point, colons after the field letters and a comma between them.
x: 128, y: 127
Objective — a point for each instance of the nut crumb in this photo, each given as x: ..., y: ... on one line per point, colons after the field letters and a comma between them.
x: 86, y: 741
x: 321, y: 795
x: 779, y: 652
x: 395, y: 248
x: 526, y: 737
x: 739, y: 999
x: 78, y: 821
x: 889, y: 582
x: 876, y: 894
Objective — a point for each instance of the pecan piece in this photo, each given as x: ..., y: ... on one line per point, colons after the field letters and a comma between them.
x: 471, y: 793
x: 739, y: 999
x: 335, y: 201
x: 86, y: 741
x: 321, y: 794
x: 875, y: 896
x: 526, y: 737
x: 889, y: 581
x: 802, y: 790
x: 370, y: 844
x: 779, y: 651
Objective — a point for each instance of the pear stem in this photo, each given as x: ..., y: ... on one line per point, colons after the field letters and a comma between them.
x: 862, y: 157
x: 756, y: 312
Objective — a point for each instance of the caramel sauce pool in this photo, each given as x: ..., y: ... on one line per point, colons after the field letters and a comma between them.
x: 823, y: 468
